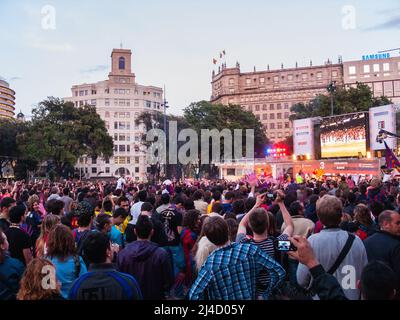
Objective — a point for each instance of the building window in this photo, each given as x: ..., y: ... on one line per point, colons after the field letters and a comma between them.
x: 107, y: 102
x: 248, y: 81
x: 279, y: 125
x: 319, y: 75
x: 286, y: 115
x: 136, y: 160
x: 258, y: 116
x: 279, y: 115
x: 121, y: 148
x: 286, y: 125
x: 386, y: 67
x: 290, y: 77
x: 94, y: 170
x: 115, y: 125
x: 367, y: 68
x: 286, y: 106
x: 136, y: 169
x: 334, y: 74
x: 276, y: 79
x: 94, y: 92
x: 121, y: 63
x: 278, y: 106
x: 257, y: 107
x: 264, y: 107
x: 250, y: 108
x: 262, y: 80
x: 279, y: 134
x: 86, y: 92
x: 272, y: 125
x: 304, y: 76
x: 271, y: 106
x: 265, y: 116
x: 107, y: 169
x: 231, y: 81
x: 272, y: 116
x: 93, y: 102
x: 376, y: 67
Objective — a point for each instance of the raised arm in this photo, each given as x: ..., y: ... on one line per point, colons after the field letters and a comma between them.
x: 285, y: 214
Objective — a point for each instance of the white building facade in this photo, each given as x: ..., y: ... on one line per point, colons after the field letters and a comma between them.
x: 119, y: 101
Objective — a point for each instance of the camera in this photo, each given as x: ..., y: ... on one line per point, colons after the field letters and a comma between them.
x: 284, y: 245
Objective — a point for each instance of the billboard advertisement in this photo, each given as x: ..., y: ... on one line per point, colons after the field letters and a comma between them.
x: 303, y: 137
x: 344, y: 135
x: 342, y: 167
x: 383, y: 117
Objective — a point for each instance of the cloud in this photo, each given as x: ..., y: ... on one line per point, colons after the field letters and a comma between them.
x: 393, y: 23
x: 98, y: 68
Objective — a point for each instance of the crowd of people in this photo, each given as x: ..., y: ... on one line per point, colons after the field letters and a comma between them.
x: 335, y: 239
x: 344, y: 136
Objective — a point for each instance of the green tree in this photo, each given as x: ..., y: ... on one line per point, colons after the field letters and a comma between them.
x: 346, y: 100
x: 60, y: 133
x: 204, y: 115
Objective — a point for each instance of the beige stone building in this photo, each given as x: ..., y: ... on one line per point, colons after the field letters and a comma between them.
x: 381, y: 75
x: 119, y: 100
x: 269, y: 94
x: 7, y: 100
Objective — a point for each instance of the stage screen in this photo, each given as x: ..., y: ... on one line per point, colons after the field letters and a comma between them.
x: 344, y: 135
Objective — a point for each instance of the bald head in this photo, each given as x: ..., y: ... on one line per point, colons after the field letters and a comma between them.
x: 389, y: 221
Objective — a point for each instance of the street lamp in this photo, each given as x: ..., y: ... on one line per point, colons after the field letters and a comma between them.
x: 332, y: 89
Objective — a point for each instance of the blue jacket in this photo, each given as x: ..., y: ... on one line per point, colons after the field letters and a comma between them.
x: 103, y: 282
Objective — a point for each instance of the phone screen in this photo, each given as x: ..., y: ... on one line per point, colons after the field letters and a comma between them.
x: 285, y: 245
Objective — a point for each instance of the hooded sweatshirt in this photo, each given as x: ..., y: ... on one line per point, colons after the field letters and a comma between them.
x: 150, y: 265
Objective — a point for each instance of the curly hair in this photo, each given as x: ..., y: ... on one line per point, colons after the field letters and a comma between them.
x: 31, y: 286
x: 61, y: 243
x: 32, y: 200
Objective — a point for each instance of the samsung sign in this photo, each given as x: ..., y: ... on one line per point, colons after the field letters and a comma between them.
x: 376, y: 56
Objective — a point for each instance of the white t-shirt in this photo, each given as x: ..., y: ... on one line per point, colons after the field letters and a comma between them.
x: 120, y: 183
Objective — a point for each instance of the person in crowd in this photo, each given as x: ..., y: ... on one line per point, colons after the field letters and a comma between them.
x: 376, y: 192
x: 32, y: 285
x: 54, y: 194
x: 257, y: 220
x: 335, y: 248
x: 5, y: 205
x: 227, y: 202
x: 233, y: 227
x: 302, y: 226
x: 135, y: 210
x: 107, y: 207
x: 384, y: 245
x: 377, y: 278
x: 123, y: 202
x: 363, y: 225
x: 311, y: 208
x: 61, y: 251
x: 189, y: 234
x: 48, y: 223
x: 118, y: 218
x: 103, y: 281
x: 67, y: 200
x: 351, y: 204
x: 20, y: 245
x: 147, y: 262
x: 230, y: 272
x: 11, y: 270
x: 159, y: 236
x: 216, y: 198
x: 199, y: 203
x: 33, y: 220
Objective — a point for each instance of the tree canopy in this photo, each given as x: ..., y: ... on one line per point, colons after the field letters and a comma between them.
x: 60, y: 133
x: 346, y: 100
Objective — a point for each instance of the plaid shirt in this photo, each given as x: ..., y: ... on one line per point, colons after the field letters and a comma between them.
x: 230, y: 273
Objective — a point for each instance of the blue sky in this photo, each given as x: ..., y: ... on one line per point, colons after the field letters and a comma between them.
x: 173, y: 42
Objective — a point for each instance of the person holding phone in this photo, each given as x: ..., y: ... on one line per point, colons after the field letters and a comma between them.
x: 257, y: 219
